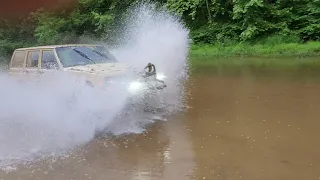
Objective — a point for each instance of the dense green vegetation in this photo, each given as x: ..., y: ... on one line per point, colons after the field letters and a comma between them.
x: 230, y: 27
x: 272, y: 46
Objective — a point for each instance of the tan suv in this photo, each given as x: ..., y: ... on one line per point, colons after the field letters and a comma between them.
x: 93, y: 62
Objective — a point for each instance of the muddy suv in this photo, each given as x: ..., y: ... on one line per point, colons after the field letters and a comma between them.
x: 92, y: 62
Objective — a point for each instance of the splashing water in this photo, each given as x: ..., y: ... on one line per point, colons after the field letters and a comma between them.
x: 38, y: 118
x: 41, y: 118
x: 158, y: 37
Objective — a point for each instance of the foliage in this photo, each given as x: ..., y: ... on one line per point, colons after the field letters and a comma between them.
x: 266, y: 48
x: 222, y: 22
x: 258, y: 55
x: 14, y: 34
x: 247, y: 20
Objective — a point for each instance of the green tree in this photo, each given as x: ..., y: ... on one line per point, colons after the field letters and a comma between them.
x: 210, y: 21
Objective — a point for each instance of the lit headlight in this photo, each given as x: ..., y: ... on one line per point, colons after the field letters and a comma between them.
x: 135, y: 86
x: 161, y: 76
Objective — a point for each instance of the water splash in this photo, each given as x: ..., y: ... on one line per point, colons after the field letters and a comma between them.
x: 43, y: 118
x: 51, y: 115
x: 154, y: 35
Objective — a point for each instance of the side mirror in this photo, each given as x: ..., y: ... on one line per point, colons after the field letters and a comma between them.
x: 151, y: 69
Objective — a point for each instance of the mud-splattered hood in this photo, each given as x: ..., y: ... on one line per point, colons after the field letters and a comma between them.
x: 104, y: 69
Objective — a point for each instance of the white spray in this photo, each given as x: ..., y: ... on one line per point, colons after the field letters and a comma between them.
x: 41, y: 118
x: 158, y: 37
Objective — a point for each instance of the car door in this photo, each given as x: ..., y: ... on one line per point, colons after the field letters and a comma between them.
x: 17, y: 65
x: 48, y: 62
x: 32, y: 64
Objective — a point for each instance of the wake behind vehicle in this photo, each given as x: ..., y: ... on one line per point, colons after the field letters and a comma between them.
x: 94, y: 63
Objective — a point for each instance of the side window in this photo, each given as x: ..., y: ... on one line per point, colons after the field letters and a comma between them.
x: 32, y: 59
x: 18, y: 59
x: 49, y: 61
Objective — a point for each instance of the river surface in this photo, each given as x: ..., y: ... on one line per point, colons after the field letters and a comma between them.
x: 244, y: 125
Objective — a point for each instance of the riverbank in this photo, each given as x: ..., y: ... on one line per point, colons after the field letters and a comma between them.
x: 283, y: 54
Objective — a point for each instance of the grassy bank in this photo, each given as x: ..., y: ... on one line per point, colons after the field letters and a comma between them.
x: 259, y: 54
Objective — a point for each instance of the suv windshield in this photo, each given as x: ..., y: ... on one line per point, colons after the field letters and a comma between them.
x: 83, y: 55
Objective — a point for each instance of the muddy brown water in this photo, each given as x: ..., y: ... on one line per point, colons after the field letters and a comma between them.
x: 242, y: 125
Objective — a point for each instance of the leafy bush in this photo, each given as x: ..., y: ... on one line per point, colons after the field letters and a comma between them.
x: 220, y: 22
